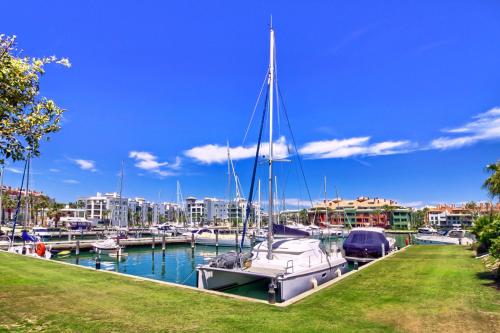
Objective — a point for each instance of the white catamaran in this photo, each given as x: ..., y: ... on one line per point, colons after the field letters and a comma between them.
x: 291, y: 266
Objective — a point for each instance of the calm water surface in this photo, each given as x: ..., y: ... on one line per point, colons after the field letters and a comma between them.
x: 178, y: 265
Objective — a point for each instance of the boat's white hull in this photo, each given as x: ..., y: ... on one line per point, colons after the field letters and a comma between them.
x: 442, y: 240
x: 288, y: 285
x: 211, y: 241
x: 103, y: 250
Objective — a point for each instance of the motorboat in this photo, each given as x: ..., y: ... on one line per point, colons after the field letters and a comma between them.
x: 32, y: 247
x: 45, y: 231
x: 163, y: 229
x: 367, y: 243
x: 297, y: 265
x: 4, y: 241
x: 218, y: 237
x: 77, y: 223
x: 106, y: 246
x: 452, y: 237
x: 427, y: 230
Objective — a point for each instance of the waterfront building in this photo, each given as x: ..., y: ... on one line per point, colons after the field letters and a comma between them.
x: 362, y: 212
x: 447, y: 216
x: 8, y: 210
x: 215, y: 210
x: 107, y: 208
x: 195, y: 210
x: 67, y: 211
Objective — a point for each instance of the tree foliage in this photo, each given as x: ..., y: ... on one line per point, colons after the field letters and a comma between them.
x: 26, y: 118
x: 492, y: 183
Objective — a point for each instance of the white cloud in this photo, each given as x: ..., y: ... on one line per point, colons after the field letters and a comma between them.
x: 54, y: 170
x: 149, y: 162
x: 85, y: 164
x: 485, y: 126
x: 214, y: 153
x: 357, y: 146
x: 14, y: 170
x: 71, y: 181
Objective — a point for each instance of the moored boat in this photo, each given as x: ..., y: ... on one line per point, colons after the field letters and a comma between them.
x: 290, y: 266
x: 366, y: 244
x: 209, y: 237
x: 106, y: 246
x: 452, y: 237
x: 297, y: 265
x: 427, y: 230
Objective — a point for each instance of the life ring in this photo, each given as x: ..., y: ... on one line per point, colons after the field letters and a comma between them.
x: 40, y: 249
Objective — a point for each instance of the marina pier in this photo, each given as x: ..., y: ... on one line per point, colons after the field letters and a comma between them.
x: 86, y: 244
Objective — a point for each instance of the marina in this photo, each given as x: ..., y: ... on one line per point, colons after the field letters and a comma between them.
x: 176, y: 264
x: 249, y: 167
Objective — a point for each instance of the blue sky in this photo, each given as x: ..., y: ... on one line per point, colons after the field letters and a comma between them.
x: 388, y: 98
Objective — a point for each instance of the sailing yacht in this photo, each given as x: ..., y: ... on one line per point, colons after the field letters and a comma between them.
x: 291, y: 265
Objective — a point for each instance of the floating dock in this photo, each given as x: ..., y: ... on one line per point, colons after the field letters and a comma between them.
x: 86, y: 244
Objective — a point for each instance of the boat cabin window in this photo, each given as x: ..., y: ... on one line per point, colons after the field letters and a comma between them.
x: 456, y: 234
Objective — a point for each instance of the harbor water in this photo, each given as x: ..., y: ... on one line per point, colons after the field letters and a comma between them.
x: 178, y: 265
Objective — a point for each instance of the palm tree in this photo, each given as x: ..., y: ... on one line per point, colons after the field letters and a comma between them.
x: 492, y: 183
x: 55, y: 212
x: 8, y: 204
x: 377, y: 213
x: 388, y: 211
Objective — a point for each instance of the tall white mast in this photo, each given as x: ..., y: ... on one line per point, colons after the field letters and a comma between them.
x: 326, y: 206
x: 27, y: 194
x: 259, y: 217
x: 271, y: 89
x: 178, y: 204
x: 228, y: 185
x: 120, y: 200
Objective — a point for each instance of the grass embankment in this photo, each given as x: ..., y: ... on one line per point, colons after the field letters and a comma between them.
x: 431, y: 288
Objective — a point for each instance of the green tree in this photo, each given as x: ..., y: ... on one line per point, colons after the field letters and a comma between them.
x: 492, y: 183
x: 55, y: 212
x: 8, y: 205
x: 303, y: 216
x: 25, y: 117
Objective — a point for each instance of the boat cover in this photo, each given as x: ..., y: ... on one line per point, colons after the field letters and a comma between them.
x: 281, y: 229
x: 27, y: 237
x: 365, y: 244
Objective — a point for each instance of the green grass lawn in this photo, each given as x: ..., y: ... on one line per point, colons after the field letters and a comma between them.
x: 426, y: 288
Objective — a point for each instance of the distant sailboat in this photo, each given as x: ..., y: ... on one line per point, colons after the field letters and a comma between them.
x: 291, y: 266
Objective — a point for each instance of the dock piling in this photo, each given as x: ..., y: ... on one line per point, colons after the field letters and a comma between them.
x: 163, y: 245
x: 216, y: 238
x: 77, y: 250
x: 98, y: 260
x: 271, y: 294
x: 192, y: 241
x: 153, y: 244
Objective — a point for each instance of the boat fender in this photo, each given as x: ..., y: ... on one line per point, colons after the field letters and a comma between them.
x: 40, y: 249
x: 338, y: 272
x: 247, y: 263
x: 314, y: 283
